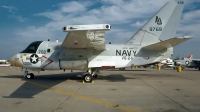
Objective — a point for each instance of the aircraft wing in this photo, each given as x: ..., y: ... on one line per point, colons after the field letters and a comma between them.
x: 85, y: 36
x: 167, y: 43
x: 196, y: 60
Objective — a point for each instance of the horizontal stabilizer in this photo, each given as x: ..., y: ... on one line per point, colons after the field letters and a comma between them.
x: 167, y: 43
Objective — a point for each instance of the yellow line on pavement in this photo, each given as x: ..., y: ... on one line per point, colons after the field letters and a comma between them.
x: 79, y: 96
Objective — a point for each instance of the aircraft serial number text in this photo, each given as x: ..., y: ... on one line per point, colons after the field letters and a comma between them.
x: 127, y: 58
x: 155, y: 29
x: 42, y: 52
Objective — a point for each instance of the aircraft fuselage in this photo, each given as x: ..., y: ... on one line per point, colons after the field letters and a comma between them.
x: 50, y: 56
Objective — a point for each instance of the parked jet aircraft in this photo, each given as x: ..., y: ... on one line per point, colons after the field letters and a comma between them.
x: 163, y: 63
x: 188, y: 62
x: 167, y: 63
x: 84, y: 46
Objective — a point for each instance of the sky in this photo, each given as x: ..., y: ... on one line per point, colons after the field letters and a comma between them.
x: 25, y: 21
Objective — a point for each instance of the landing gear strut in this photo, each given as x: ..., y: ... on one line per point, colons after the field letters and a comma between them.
x: 28, y: 75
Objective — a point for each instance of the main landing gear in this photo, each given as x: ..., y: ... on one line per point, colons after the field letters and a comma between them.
x: 28, y: 75
x: 87, y: 78
x: 92, y: 73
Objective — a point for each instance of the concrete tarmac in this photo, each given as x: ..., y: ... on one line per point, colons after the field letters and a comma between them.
x: 134, y: 90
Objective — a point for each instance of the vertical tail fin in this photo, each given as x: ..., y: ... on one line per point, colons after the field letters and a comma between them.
x: 160, y: 27
x: 190, y: 57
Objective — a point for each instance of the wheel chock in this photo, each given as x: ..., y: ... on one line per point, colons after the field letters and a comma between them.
x: 86, y: 82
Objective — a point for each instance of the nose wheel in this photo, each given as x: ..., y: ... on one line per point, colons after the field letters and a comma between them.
x: 28, y: 75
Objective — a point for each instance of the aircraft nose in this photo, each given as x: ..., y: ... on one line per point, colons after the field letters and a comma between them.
x: 15, y: 61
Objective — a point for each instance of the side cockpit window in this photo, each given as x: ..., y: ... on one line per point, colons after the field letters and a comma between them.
x: 32, y: 48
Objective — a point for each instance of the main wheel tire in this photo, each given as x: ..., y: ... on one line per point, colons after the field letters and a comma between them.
x: 88, y: 78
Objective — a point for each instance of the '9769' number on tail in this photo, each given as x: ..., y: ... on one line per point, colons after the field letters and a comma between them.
x: 155, y: 28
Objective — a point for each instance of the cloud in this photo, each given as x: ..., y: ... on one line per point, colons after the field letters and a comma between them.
x: 190, y: 24
x: 14, y: 14
x: 10, y: 8
x: 190, y: 30
x: 129, y: 15
x: 191, y: 17
x: 32, y: 33
x: 110, y: 11
x: 18, y: 17
x: 139, y: 24
x: 64, y: 10
x: 73, y: 6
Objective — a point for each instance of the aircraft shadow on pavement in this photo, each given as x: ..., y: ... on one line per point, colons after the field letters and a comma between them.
x: 126, y: 70
x: 28, y: 90
x: 113, y: 78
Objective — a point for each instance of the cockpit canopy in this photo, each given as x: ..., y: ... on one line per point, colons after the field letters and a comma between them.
x: 32, y: 48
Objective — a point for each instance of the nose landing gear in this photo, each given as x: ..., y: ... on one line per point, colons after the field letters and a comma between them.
x: 28, y: 75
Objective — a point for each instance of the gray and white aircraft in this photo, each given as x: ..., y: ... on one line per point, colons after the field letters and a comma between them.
x: 84, y: 47
x: 188, y: 62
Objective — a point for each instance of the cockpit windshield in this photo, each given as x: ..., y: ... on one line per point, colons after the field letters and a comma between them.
x: 32, y: 48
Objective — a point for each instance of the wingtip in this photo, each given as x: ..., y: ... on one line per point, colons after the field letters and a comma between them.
x: 185, y: 37
x: 188, y: 36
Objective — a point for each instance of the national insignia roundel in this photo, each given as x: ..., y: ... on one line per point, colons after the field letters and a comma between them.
x: 187, y: 62
x: 34, y: 58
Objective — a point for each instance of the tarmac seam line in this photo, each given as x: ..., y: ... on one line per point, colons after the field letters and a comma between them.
x: 64, y: 100
x: 61, y: 103
x: 165, y: 95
